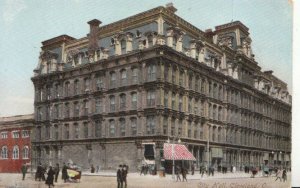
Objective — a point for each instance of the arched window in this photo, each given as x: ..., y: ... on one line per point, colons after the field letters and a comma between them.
x: 56, y: 133
x: 67, y: 89
x: 16, y: 152
x: 67, y: 110
x: 25, y: 152
x: 150, y: 125
x: 4, y: 152
x: 85, y: 107
x: 123, y: 77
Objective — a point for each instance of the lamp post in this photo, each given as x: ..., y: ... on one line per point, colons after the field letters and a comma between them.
x: 173, y: 160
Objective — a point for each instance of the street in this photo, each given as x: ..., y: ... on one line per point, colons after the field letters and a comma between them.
x: 108, y: 179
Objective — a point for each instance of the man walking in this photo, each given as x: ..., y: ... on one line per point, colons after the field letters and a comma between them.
x: 56, y: 170
x: 24, y: 170
x: 64, y: 173
x: 39, y: 172
x: 184, y: 172
x: 177, y: 171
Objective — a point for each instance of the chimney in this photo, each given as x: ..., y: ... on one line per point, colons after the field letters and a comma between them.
x: 269, y: 72
x: 171, y: 8
x: 93, y: 39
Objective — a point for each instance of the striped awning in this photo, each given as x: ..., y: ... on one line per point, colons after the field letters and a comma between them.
x: 180, y: 152
x: 287, y: 157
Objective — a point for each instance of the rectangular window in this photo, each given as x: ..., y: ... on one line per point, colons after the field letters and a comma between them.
x: 122, y: 127
x: 134, y: 76
x: 151, y: 72
x: 112, y: 128
x: 151, y: 98
x: 98, y: 129
x: 76, y: 131
x: 113, y: 80
x: 25, y: 133
x: 98, y: 106
x: 133, y: 127
x: 134, y: 101
x: 4, y: 135
x: 100, y: 83
x: 76, y: 109
x: 150, y: 125
x: 15, y: 134
x: 112, y: 104
x: 165, y: 126
x: 67, y: 133
x: 85, y: 130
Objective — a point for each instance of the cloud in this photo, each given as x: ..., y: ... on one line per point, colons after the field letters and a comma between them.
x: 11, y: 9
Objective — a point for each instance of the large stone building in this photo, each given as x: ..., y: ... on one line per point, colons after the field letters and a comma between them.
x: 116, y: 95
x: 15, y: 142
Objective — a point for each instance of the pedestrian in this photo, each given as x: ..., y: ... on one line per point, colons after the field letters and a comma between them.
x: 92, y: 169
x: 119, y: 177
x: 284, y: 176
x: 97, y: 168
x: 50, y: 177
x: 124, y: 175
x: 64, y: 173
x: 38, y: 173
x: 56, y: 170
x: 279, y: 175
x: 24, y: 170
x: 177, y: 172
x: 184, y: 172
x: 142, y: 169
x: 43, y: 171
x: 193, y: 168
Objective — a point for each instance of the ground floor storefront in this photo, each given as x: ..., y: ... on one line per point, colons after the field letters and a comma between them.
x: 110, y: 154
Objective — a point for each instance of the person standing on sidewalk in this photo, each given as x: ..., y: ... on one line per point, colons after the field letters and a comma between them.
x: 24, y: 170
x: 284, y: 176
x: 124, y: 175
x: 184, y: 172
x: 193, y: 168
x: 119, y: 177
x: 64, y: 173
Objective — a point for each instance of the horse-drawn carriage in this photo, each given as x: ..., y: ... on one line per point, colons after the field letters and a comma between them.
x: 74, y: 173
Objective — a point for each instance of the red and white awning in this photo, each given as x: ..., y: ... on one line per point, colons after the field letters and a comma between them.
x: 180, y: 152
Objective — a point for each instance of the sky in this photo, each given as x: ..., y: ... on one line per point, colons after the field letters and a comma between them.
x: 24, y: 24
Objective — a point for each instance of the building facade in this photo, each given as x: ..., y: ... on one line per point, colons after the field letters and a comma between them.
x: 15, y: 142
x: 116, y: 95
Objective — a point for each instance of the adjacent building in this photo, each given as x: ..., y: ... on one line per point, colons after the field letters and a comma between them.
x: 15, y: 142
x: 117, y: 95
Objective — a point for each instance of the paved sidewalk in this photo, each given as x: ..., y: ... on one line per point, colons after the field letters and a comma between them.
x: 196, y: 176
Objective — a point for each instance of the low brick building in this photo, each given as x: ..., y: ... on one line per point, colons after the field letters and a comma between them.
x: 15, y: 142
